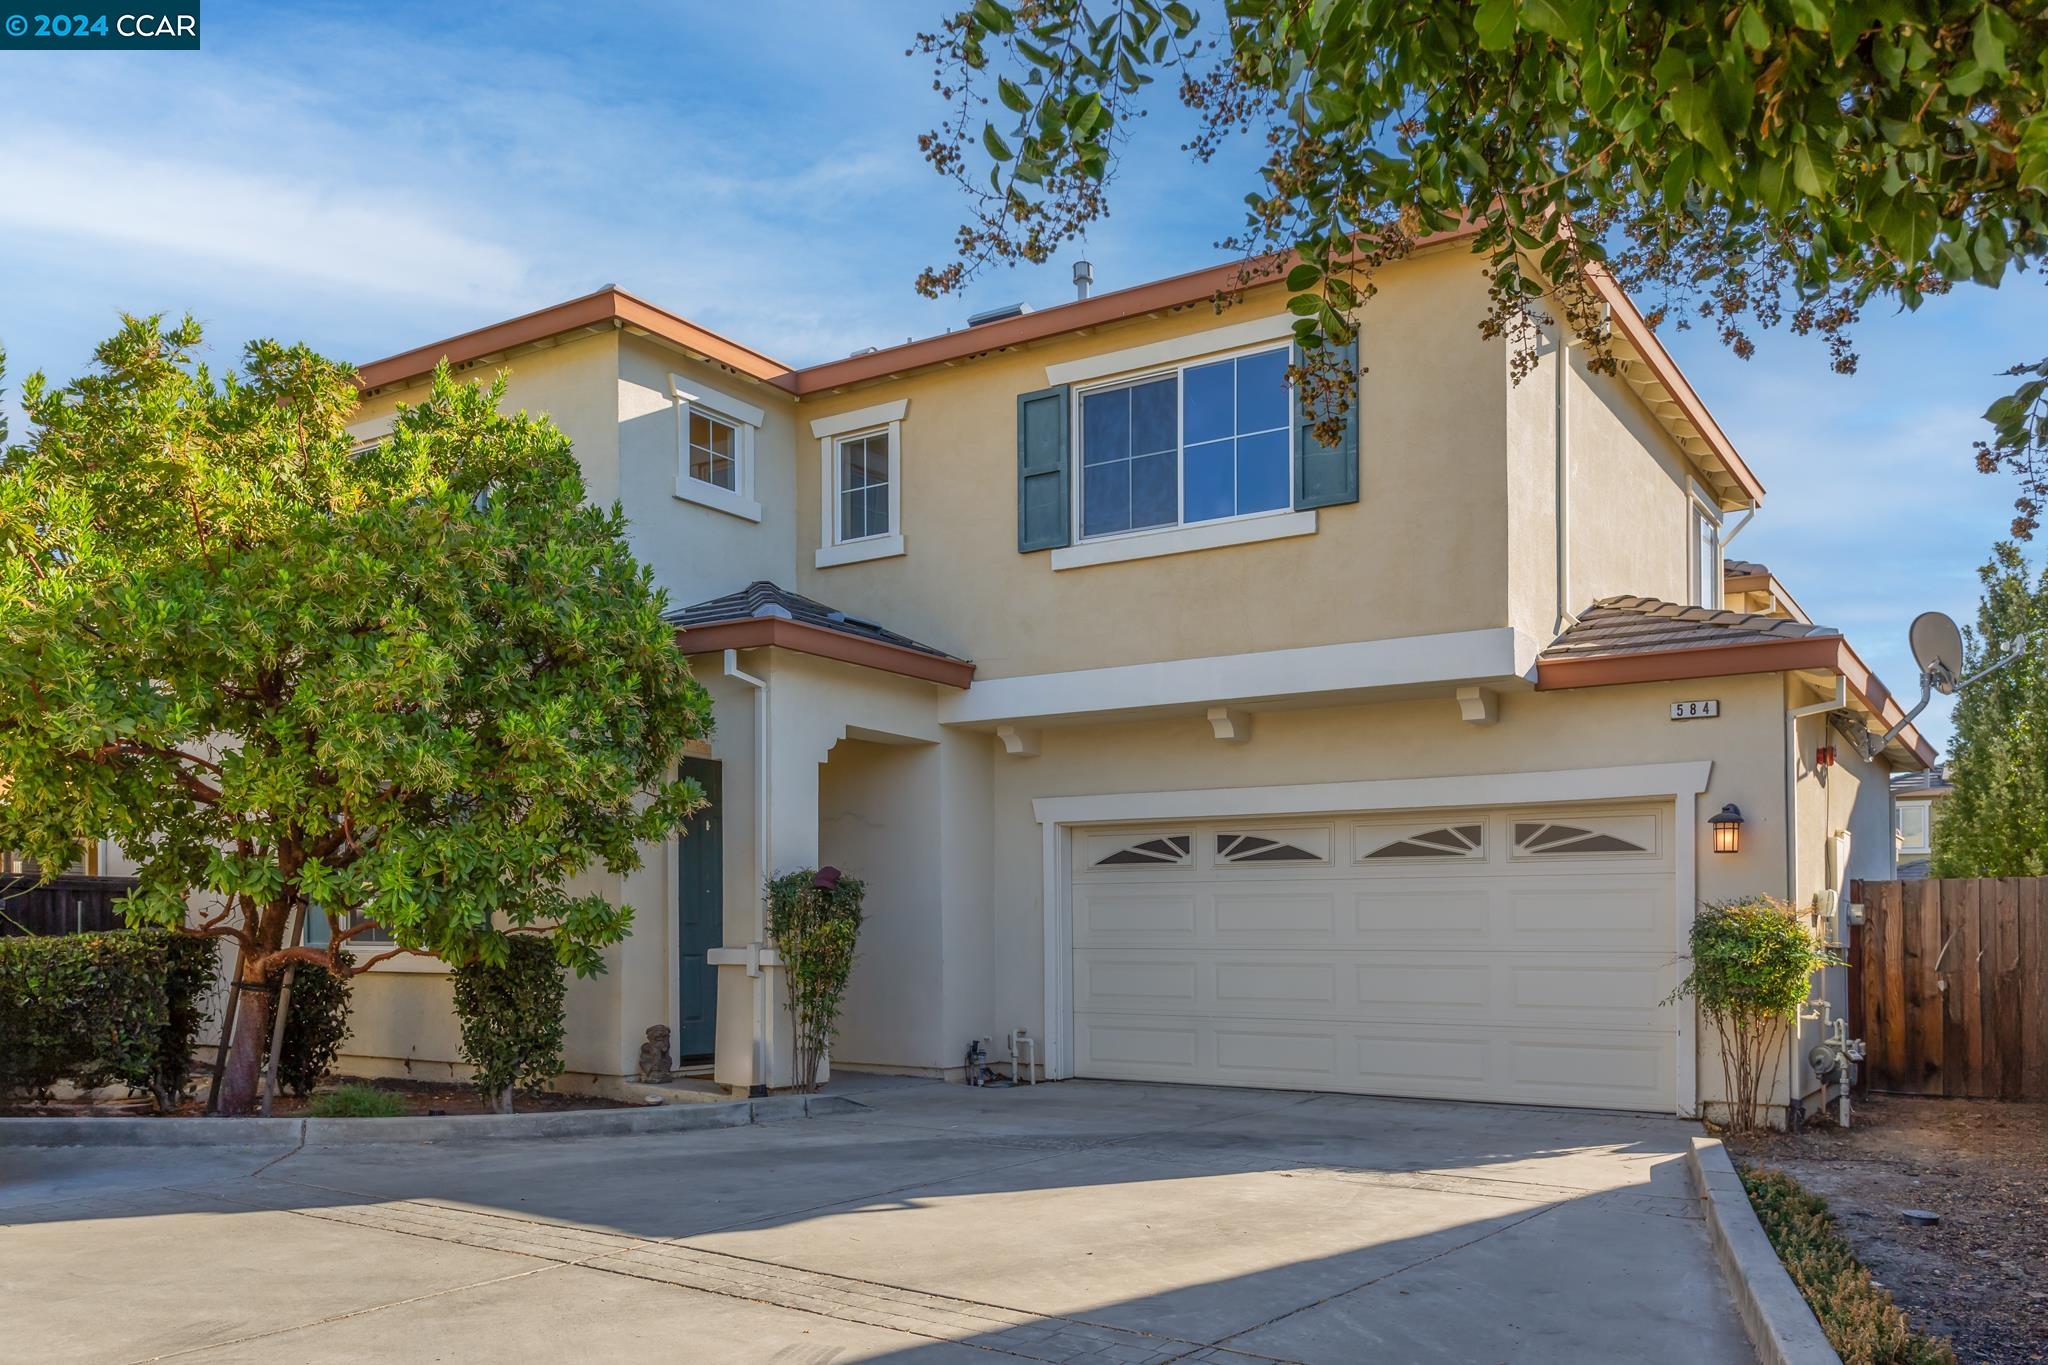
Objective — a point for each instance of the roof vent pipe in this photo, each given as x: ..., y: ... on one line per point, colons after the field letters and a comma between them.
x: 1084, y: 278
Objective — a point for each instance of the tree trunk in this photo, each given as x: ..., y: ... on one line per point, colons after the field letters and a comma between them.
x: 242, y: 1078
x: 505, y: 1100
x: 243, y: 1074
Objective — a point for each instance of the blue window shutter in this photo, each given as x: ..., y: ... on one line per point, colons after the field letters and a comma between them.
x: 1044, y: 494
x: 1325, y: 476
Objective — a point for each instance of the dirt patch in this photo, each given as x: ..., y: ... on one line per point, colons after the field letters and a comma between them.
x: 1978, y: 1277
x: 421, y: 1098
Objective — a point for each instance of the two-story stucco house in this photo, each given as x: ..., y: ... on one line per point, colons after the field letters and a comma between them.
x: 1198, y: 749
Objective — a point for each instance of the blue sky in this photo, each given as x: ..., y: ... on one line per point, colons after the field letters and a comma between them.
x: 370, y: 177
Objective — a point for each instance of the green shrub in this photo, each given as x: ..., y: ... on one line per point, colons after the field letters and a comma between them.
x: 355, y: 1102
x: 314, y: 1029
x: 815, y: 921
x: 1752, y: 967
x: 511, y: 1016
x: 102, y: 1009
x: 1862, y: 1322
x: 191, y: 962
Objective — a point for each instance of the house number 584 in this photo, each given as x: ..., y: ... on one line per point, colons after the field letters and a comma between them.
x: 1695, y: 710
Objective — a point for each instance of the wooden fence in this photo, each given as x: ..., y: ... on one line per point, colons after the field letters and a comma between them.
x: 1948, y: 986
x: 62, y: 905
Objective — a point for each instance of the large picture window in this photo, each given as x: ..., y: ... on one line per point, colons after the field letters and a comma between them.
x: 1203, y: 442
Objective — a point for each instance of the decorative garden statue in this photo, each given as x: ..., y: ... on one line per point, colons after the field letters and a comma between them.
x: 655, y: 1065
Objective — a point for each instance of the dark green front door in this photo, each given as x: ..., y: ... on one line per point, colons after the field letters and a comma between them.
x: 700, y: 913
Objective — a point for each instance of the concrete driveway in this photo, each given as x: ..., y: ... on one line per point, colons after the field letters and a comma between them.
x: 1084, y: 1221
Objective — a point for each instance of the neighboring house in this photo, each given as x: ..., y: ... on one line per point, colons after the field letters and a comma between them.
x: 1916, y: 806
x: 1200, y: 750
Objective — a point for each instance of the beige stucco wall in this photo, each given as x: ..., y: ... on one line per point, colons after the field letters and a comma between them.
x: 1630, y: 510
x: 699, y: 552
x: 575, y: 383
x: 610, y: 394
x: 1424, y: 550
x: 1536, y: 732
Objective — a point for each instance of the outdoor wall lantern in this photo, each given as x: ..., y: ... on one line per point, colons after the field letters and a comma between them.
x: 1727, y: 830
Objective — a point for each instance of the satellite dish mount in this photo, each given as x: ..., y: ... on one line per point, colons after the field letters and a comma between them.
x: 1938, y: 648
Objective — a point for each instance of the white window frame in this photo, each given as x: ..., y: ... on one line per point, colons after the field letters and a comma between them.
x: 835, y: 550
x: 1233, y: 529
x: 745, y: 419
x: 1701, y: 513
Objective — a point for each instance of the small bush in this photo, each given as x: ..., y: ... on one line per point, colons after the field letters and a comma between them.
x: 815, y: 921
x: 511, y: 1016
x: 1752, y: 967
x: 315, y: 1028
x: 1861, y: 1321
x: 102, y: 1009
x: 355, y: 1102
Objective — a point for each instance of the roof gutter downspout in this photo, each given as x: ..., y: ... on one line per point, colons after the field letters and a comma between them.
x: 1793, y: 716
x: 1561, y: 421
x: 758, y: 1084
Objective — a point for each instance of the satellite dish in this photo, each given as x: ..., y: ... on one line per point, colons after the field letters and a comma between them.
x: 1938, y: 649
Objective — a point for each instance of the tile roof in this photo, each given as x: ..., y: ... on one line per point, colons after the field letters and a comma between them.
x: 1933, y: 782
x: 764, y: 600
x: 1744, y: 568
x: 1647, y: 625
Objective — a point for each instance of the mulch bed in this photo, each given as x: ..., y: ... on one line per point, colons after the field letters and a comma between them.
x: 421, y: 1098
x: 1978, y: 1277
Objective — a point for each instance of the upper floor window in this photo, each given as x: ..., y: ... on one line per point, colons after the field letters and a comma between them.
x: 1202, y: 442
x: 860, y: 484
x: 715, y: 448
x: 714, y: 451
x: 1705, y: 573
x: 862, y: 504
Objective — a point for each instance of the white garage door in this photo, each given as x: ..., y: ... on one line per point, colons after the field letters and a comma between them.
x: 1512, y: 955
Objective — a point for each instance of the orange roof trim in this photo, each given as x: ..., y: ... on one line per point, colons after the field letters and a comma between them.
x: 612, y: 305
x: 608, y: 305
x: 1823, y: 653
x: 803, y: 638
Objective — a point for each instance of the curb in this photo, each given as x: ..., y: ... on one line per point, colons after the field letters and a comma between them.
x: 258, y: 1132
x: 1781, y: 1326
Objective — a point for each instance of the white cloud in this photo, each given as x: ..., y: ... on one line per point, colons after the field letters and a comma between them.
x: 290, y: 225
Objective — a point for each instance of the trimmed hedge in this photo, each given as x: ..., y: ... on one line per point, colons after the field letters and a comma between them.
x: 1861, y: 1321
x: 315, y: 1028
x: 511, y: 1015
x: 103, y: 1009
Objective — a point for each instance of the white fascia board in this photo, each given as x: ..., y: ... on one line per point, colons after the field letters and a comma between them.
x: 1401, y: 793
x: 1172, y: 350
x: 1498, y: 653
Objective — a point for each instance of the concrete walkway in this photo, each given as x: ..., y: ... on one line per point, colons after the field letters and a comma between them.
x: 1083, y: 1221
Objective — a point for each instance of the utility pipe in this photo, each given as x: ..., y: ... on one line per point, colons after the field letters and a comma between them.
x: 1736, y: 530
x: 1837, y: 702
x: 759, y: 1083
x: 1561, y: 348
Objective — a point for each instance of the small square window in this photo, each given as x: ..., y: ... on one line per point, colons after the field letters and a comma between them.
x: 714, y: 451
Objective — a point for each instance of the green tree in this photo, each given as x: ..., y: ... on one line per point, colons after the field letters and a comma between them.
x: 1995, y: 823
x: 418, y: 682
x: 1758, y: 163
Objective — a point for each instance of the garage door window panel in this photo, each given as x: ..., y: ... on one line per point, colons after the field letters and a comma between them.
x: 1436, y: 842
x: 1145, y: 851
x: 1272, y: 848
x: 1582, y: 838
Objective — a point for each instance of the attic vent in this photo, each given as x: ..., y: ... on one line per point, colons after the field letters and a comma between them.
x: 865, y: 350
x: 1007, y: 311
x: 841, y: 618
